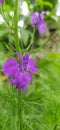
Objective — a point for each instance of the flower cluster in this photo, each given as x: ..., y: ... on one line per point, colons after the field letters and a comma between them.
x: 38, y: 20
x: 20, y: 74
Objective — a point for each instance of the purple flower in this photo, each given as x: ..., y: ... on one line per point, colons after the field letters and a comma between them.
x: 38, y: 20
x: 20, y: 74
x: 1, y: 1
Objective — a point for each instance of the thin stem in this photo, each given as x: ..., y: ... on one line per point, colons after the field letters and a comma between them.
x: 44, y: 44
x: 55, y: 128
x: 16, y: 27
x: 20, y: 109
x: 18, y: 50
x: 31, y: 39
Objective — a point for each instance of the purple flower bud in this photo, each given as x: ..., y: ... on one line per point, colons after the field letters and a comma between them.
x: 20, y: 74
x: 38, y: 20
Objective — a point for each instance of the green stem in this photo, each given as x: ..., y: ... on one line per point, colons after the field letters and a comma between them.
x: 31, y: 39
x: 55, y: 128
x: 20, y: 109
x: 18, y: 50
x: 16, y: 27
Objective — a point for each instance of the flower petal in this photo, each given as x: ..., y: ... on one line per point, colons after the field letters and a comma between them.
x: 24, y: 89
x: 26, y: 56
x: 12, y: 81
x: 29, y: 77
x: 42, y: 15
x: 31, y: 62
x: 32, y: 66
x: 19, y: 56
x: 42, y: 27
x: 33, y: 69
x: 10, y: 67
x: 21, y: 80
x: 34, y: 19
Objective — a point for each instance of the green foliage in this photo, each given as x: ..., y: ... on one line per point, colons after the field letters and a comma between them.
x: 41, y: 103
x: 10, y: 3
x: 43, y: 4
x: 54, y: 3
x: 25, y: 34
